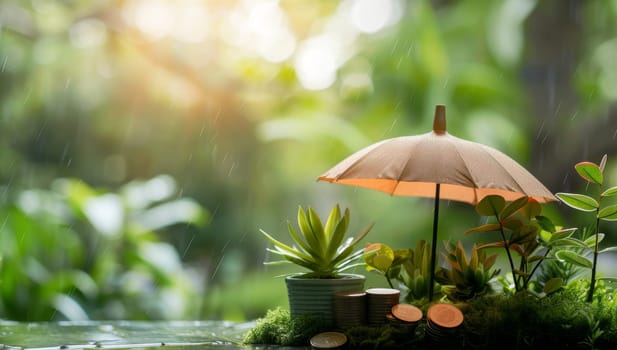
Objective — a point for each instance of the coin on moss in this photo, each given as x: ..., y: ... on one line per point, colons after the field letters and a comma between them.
x: 445, y: 315
x: 328, y: 340
x: 407, y: 312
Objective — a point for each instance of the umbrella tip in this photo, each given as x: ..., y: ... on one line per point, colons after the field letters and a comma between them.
x: 439, y: 124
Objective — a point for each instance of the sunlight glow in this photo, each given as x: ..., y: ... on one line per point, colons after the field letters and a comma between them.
x: 260, y: 27
x: 154, y: 18
x: 191, y: 22
x: 370, y: 16
x: 88, y: 33
x: 185, y: 20
x: 317, y: 62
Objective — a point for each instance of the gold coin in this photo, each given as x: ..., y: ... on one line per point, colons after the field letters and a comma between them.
x: 328, y: 340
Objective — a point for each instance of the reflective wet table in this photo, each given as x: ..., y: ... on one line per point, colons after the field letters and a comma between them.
x: 175, y: 335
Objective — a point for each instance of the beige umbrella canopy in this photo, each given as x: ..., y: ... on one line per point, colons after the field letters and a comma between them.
x: 412, y: 165
x: 437, y: 165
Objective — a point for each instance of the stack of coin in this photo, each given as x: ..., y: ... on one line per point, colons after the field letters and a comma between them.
x: 442, y: 321
x: 349, y: 309
x: 328, y: 340
x: 379, y: 304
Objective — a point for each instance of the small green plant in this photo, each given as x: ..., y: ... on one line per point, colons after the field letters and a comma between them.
x: 321, y: 249
x: 415, y: 274
x: 593, y: 174
x: 466, y: 278
x: 411, y: 267
x: 385, y: 261
x: 525, y: 232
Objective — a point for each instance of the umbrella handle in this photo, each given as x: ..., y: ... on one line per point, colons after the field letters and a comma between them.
x: 434, y: 245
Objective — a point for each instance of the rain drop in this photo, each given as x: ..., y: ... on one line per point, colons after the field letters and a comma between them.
x: 540, y: 130
x: 400, y: 61
x: 6, y: 58
x: 394, y: 47
x: 188, y: 246
x: 218, y: 265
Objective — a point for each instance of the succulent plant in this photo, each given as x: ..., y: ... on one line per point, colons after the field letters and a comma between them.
x: 321, y: 249
x: 466, y: 278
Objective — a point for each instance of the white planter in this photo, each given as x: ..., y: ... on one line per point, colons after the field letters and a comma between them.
x: 316, y: 296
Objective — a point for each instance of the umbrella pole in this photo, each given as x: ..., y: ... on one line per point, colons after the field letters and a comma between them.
x: 434, y: 244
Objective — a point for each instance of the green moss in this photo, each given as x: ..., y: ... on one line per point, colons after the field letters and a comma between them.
x: 385, y: 337
x: 278, y: 328
x: 521, y: 321
x: 524, y: 321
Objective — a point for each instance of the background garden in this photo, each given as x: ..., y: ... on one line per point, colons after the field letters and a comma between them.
x: 144, y: 143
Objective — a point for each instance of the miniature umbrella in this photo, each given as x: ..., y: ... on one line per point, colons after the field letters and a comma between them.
x: 437, y: 165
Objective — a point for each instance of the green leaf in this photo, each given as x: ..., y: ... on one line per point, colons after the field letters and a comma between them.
x: 589, y: 171
x: 609, y: 249
x: 307, y: 231
x: 525, y: 234
x: 564, y: 233
x: 609, y: 213
x: 378, y: 257
x: 499, y: 244
x: 544, y: 236
x: 281, y: 247
x: 591, y: 241
x: 553, y: 285
x: 401, y: 255
x: 484, y: 228
x: 567, y: 242
x: 337, y: 234
x: 491, y: 205
x: 610, y: 192
x: 512, y: 207
x: 545, y: 223
x: 573, y: 258
x: 318, y: 230
x: 578, y: 201
x: 299, y: 241
x: 513, y: 224
x: 332, y: 221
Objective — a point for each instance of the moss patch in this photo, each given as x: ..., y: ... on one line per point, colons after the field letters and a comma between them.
x: 521, y: 321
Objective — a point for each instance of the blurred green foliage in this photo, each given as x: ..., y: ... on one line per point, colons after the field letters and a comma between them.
x: 75, y: 252
x: 243, y: 104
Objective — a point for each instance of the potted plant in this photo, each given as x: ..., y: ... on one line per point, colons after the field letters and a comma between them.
x: 326, y: 253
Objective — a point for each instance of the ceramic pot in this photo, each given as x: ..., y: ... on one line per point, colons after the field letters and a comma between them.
x: 316, y: 296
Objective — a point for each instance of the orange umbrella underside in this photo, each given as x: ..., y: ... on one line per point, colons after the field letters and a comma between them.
x: 412, y: 165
